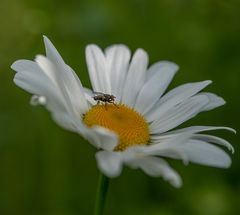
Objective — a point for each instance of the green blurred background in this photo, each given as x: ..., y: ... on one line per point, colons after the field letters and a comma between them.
x: 45, y: 170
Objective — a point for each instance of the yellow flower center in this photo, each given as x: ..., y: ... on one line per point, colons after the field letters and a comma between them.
x: 128, y: 124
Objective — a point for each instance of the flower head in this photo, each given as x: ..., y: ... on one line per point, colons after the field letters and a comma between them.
x: 131, y: 120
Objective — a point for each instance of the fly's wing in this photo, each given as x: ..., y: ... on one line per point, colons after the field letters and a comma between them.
x: 98, y: 93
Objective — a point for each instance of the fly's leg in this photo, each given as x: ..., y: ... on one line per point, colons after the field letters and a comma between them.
x: 115, y: 104
x: 112, y: 102
x: 105, y: 105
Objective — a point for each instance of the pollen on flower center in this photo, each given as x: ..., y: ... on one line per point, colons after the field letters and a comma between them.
x: 130, y: 126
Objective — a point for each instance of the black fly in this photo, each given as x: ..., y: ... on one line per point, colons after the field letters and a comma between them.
x: 105, y: 98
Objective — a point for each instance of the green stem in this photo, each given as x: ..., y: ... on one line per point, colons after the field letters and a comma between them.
x: 101, y: 194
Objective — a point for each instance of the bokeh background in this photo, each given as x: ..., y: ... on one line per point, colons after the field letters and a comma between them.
x: 45, y: 170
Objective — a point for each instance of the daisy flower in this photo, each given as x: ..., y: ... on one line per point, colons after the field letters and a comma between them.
x: 128, y: 116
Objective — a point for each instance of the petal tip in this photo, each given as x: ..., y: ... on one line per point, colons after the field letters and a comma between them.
x: 209, y: 81
x: 91, y: 47
x: 13, y: 66
x: 228, y: 164
x: 175, y: 67
x: 39, y: 57
x: 46, y: 41
x: 232, y: 130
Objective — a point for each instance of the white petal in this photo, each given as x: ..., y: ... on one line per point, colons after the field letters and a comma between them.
x: 160, y: 76
x: 196, y: 129
x: 117, y: 62
x: 110, y: 163
x: 169, y: 147
x: 52, y: 52
x: 34, y: 80
x: 49, y: 68
x: 89, y: 96
x: 166, y: 142
x: 99, y: 137
x: 174, y: 153
x: 106, y: 139
x: 64, y: 120
x: 52, y: 73
x: 34, y: 70
x: 214, y: 139
x: 214, y: 101
x: 205, y: 154
x: 42, y: 80
x: 78, y: 91
x: 176, y: 96
x: 74, y: 97
x: 68, y: 78
x: 186, y: 149
x: 99, y: 75
x: 26, y: 65
x: 135, y: 77
x: 157, y: 167
x: 178, y: 114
